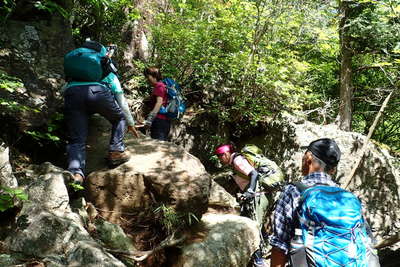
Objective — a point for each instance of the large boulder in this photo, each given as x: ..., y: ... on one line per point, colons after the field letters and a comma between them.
x: 157, y: 172
x: 222, y: 241
x: 46, y: 227
x: 221, y: 201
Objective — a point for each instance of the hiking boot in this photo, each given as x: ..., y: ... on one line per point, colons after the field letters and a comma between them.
x: 117, y: 157
x: 77, y: 179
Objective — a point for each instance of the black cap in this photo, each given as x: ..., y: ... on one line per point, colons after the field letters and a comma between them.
x: 326, y: 150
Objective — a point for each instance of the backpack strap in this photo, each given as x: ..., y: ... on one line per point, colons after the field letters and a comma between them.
x: 236, y: 155
x: 302, y: 187
x: 93, y: 45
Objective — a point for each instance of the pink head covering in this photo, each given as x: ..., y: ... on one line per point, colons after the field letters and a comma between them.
x: 223, y: 148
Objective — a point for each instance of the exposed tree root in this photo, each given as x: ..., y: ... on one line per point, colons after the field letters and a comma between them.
x: 170, y: 241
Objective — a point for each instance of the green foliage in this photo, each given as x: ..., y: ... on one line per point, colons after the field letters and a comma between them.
x: 39, y: 136
x: 76, y: 187
x: 15, y: 106
x: 8, y: 7
x: 374, y: 27
x: 51, y: 7
x: 50, y: 133
x: 8, y: 196
x: 171, y: 220
x: 242, y: 55
x: 244, y: 61
x: 102, y: 20
x: 9, y: 83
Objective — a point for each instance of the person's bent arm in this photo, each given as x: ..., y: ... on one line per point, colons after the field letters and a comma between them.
x: 158, y: 105
x: 253, y: 180
x: 152, y: 115
x: 278, y: 257
x: 120, y: 98
x: 125, y: 109
x: 283, y: 225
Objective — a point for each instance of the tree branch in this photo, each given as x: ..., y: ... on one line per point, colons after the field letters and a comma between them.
x: 142, y: 255
x: 388, y: 241
x: 364, y: 148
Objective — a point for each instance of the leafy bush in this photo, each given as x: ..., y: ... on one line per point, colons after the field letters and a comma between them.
x: 235, y: 55
x: 9, y: 196
x: 50, y: 133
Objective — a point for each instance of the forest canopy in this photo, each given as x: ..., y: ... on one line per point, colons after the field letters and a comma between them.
x: 243, y: 61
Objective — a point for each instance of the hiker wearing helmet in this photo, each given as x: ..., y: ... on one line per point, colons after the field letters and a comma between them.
x: 160, y: 124
x: 314, y: 219
x: 227, y: 156
x: 254, y: 203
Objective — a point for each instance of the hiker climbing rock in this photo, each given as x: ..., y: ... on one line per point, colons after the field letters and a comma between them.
x: 93, y: 87
x: 316, y: 223
x: 256, y: 176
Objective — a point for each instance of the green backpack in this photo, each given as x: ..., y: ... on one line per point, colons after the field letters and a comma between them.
x: 271, y: 176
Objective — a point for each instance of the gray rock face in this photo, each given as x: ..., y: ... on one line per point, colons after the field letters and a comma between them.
x: 6, y: 176
x: 46, y: 226
x: 48, y: 190
x: 376, y: 182
x: 220, y: 199
x: 228, y: 241
x: 89, y: 253
x: 136, y: 33
x: 44, y: 233
x: 33, y: 52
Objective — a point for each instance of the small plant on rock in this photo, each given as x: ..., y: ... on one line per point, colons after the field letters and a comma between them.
x: 8, y: 197
x: 171, y: 220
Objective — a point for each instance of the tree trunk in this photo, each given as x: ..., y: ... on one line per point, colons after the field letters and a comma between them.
x: 346, y: 90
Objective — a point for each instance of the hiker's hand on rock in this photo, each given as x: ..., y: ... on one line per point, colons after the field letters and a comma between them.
x: 133, y: 131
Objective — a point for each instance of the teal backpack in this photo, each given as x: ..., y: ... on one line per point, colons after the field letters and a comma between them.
x: 331, y: 230
x: 88, y: 63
